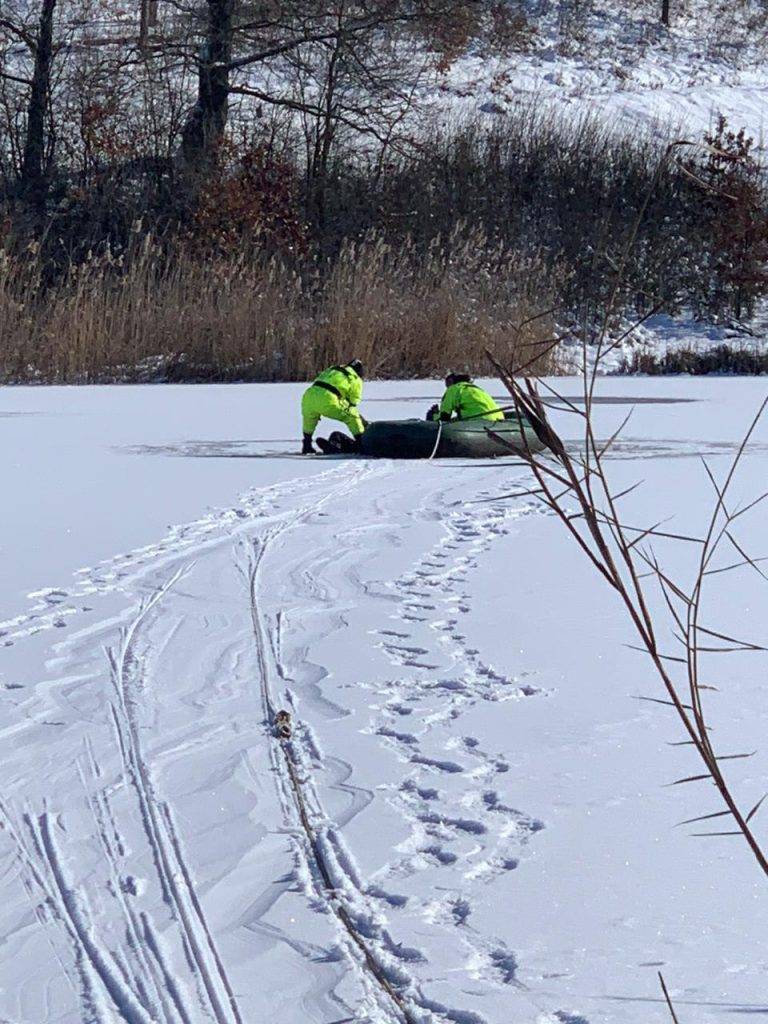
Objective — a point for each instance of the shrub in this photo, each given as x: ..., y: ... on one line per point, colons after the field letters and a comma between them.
x: 733, y: 212
x: 720, y: 359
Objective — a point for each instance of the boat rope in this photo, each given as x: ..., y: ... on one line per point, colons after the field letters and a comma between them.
x: 437, y: 440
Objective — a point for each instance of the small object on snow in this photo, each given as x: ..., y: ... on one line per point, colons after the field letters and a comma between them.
x: 283, y: 725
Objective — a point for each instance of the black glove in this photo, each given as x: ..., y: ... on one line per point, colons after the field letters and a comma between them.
x: 434, y: 413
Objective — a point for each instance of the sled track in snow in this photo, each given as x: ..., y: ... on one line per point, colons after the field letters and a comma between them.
x: 172, y: 870
x: 288, y: 767
x: 161, y: 992
x: 464, y: 835
x: 149, y: 994
x: 58, y: 607
x: 137, y: 998
x: 138, y: 980
x: 43, y: 877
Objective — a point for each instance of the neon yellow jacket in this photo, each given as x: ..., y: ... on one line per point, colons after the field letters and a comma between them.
x: 344, y: 379
x: 466, y: 401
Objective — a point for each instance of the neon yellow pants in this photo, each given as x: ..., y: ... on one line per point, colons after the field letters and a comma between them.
x: 317, y: 402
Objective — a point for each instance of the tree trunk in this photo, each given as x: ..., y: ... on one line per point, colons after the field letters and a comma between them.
x: 34, y: 184
x: 326, y: 131
x: 204, y: 128
x: 148, y: 20
x: 665, y: 12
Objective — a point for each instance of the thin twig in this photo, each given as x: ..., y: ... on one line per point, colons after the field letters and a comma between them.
x: 670, y: 1007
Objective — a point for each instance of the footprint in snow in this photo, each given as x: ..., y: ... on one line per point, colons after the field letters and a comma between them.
x: 427, y: 793
x: 393, y: 899
x: 399, y: 709
x: 475, y: 828
x: 505, y: 966
x: 444, y: 857
x: 442, y: 766
x: 402, y: 649
x: 406, y: 738
x: 460, y: 911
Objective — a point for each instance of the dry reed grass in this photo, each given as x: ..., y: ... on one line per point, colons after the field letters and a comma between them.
x: 402, y: 311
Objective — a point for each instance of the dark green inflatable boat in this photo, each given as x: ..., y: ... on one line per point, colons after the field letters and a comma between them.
x: 468, y: 439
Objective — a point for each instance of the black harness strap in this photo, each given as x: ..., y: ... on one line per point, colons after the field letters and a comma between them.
x: 328, y: 387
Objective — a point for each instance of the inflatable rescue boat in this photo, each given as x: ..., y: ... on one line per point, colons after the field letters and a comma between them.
x: 468, y: 439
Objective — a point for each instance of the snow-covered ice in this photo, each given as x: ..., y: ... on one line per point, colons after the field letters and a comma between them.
x: 486, y: 794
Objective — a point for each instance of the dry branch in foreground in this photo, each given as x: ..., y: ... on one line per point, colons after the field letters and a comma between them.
x: 624, y: 557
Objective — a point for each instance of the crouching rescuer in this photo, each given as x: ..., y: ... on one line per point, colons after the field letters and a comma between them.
x: 464, y: 400
x: 335, y: 394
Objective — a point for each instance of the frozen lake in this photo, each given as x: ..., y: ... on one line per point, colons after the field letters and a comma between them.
x: 484, y: 790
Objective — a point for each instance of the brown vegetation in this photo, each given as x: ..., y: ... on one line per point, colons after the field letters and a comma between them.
x: 402, y: 312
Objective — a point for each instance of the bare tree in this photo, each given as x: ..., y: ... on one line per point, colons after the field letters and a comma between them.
x: 205, y: 125
x: 33, y: 185
x: 355, y: 90
x: 147, y: 20
x: 246, y: 49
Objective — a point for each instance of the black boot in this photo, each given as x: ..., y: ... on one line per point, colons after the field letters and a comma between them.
x: 344, y: 444
x: 337, y: 444
x: 306, y: 448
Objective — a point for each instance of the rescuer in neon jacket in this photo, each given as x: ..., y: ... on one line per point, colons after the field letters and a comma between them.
x: 465, y: 400
x: 335, y: 394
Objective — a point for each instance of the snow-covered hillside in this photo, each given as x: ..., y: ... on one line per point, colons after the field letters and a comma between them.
x: 469, y: 823
x: 619, y: 62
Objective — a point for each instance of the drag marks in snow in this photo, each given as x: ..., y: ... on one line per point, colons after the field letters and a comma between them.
x: 55, y: 607
x: 139, y: 980
x: 123, y: 964
x: 133, y: 980
x: 461, y: 832
x: 327, y: 866
x: 54, y: 900
x: 318, y: 588
x: 172, y: 870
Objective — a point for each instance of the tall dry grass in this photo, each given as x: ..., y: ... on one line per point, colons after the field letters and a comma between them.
x: 403, y: 312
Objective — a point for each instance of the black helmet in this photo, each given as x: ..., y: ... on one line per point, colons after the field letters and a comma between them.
x: 457, y: 378
x: 357, y: 366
